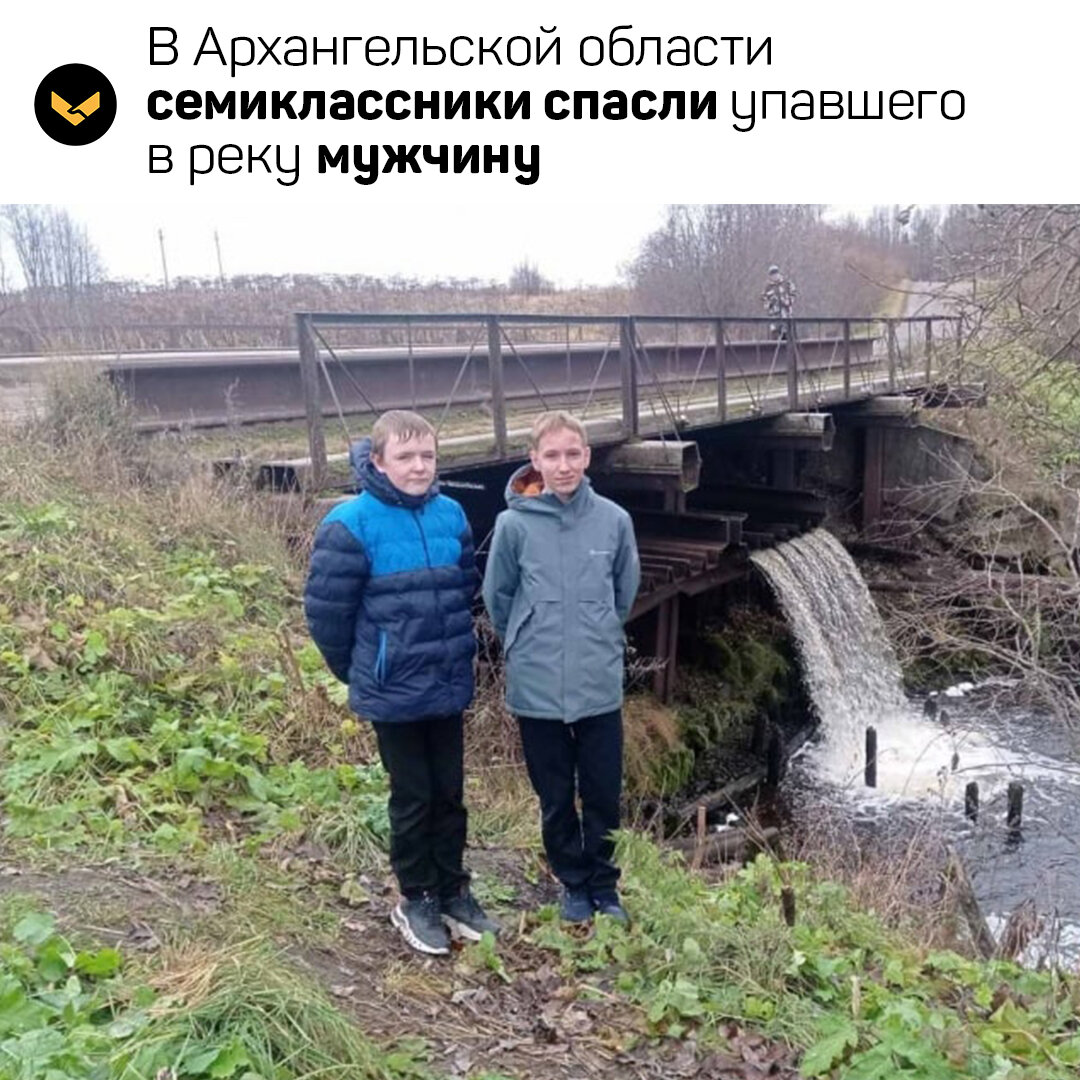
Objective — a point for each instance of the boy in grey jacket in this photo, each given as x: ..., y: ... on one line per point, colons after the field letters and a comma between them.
x: 561, y: 579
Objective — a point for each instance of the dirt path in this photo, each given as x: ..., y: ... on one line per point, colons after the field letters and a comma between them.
x: 521, y: 1016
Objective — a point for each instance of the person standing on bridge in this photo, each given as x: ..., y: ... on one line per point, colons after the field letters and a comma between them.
x: 778, y: 300
x: 389, y: 604
x: 560, y: 581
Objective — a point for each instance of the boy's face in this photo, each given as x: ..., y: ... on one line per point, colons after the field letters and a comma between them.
x: 561, y: 459
x: 409, y: 464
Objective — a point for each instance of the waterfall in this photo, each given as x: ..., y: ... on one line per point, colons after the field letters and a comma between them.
x: 854, y: 678
x: 854, y: 681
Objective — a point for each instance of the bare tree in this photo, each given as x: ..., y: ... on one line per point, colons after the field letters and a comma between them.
x: 54, y: 252
x: 1008, y: 595
x: 712, y: 259
x: 1026, y: 260
x: 526, y: 280
x: 1002, y: 594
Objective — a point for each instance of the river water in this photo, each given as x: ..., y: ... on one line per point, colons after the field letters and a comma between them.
x: 928, y: 751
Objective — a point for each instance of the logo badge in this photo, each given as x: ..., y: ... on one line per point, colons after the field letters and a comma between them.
x: 75, y: 104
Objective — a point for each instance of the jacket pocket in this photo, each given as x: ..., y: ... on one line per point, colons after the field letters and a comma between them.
x: 381, y: 670
x: 602, y: 633
x: 515, y: 628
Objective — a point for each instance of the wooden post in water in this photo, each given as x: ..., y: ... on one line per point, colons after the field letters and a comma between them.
x: 871, y: 757
x: 1015, y: 814
x: 971, y: 801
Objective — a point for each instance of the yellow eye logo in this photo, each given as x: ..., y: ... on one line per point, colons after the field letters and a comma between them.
x: 78, y: 113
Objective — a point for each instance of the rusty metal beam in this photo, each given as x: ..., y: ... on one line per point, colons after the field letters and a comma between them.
x: 732, y: 567
x: 720, y: 529
x: 669, y: 673
x: 762, y: 503
x: 796, y: 431
x: 890, y: 410
x: 649, y: 463
x: 873, y: 476
x: 782, y: 467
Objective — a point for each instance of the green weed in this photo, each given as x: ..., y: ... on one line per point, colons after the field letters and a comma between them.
x: 862, y: 1003
x: 69, y: 1014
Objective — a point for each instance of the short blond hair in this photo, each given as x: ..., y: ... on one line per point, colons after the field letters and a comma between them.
x: 556, y: 420
x: 402, y: 423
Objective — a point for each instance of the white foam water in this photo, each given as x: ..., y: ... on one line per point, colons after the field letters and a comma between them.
x: 854, y: 681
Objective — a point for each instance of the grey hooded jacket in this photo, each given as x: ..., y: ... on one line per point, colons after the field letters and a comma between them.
x: 561, y: 580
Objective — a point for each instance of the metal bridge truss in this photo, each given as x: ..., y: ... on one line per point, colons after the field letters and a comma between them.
x: 626, y: 377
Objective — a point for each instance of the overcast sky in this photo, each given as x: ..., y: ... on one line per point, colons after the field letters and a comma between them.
x: 571, y: 243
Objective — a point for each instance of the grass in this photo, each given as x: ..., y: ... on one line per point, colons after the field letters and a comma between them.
x: 193, y: 1012
x: 858, y: 998
x: 156, y: 681
x: 163, y: 715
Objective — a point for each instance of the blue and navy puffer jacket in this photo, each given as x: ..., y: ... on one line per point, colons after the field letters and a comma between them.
x: 389, y: 599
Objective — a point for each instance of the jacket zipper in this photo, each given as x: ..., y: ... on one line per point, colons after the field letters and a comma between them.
x: 380, y: 659
x: 434, y: 591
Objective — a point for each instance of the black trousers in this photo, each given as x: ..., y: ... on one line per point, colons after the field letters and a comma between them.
x: 565, y: 761
x: 424, y: 759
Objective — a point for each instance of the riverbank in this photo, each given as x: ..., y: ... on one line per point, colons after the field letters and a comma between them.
x: 194, y: 879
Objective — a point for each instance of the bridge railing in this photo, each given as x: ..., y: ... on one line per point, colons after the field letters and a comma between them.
x: 625, y: 376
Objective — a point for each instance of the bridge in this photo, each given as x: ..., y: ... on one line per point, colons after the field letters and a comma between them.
x: 698, y: 424
x: 628, y: 377
x: 707, y: 428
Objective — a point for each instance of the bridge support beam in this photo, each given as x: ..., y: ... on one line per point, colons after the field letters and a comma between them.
x: 895, y: 410
x: 667, y: 648
x: 672, y: 468
x: 782, y: 468
x: 873, y: 477
x: 797, y: 431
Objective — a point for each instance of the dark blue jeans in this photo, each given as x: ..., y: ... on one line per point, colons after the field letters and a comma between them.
x: 424, y: 759
x: 569, y: 760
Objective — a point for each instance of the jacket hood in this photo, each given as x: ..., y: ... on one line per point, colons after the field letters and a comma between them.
x: 368, y: 478
x: 525, y: 491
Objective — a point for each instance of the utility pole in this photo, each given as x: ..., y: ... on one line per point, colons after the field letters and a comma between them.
x: 220, y: 270
x: 164, y: 266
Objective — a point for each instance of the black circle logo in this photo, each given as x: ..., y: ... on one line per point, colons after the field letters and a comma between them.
x: 75, y: 104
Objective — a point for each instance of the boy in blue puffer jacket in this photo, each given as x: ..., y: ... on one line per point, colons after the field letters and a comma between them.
x: 388, y: 603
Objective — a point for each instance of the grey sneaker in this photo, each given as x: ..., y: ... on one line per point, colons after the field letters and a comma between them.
x: 421, y: 925
x: 608, y: 903
x: 576, y: 905
x: 465, y: 918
